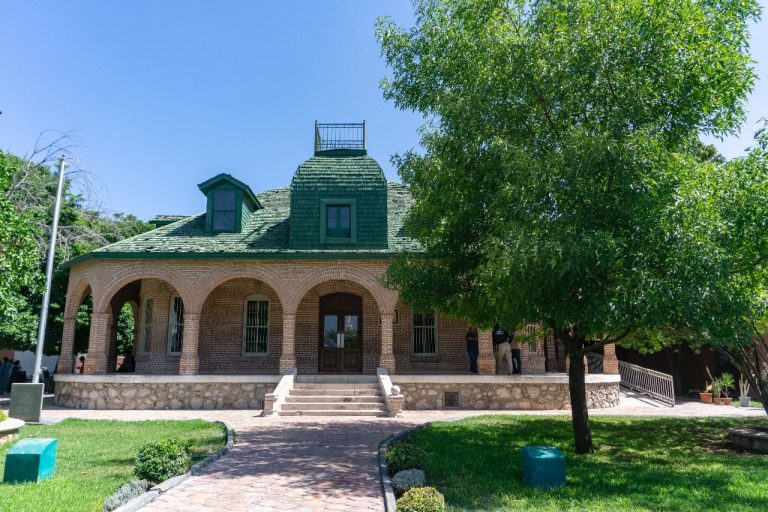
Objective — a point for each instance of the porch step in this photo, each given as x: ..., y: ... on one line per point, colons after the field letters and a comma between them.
x: 336, y: 379
x: 334, y: 413
x: 330, y: 397
x: 334, y: 399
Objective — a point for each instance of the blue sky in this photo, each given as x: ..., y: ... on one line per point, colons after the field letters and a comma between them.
x: 164, y: 95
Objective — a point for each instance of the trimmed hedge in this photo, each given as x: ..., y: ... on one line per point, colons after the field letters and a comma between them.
x: 404, y: 456
x: 161, y: 460
x: 421, y: 499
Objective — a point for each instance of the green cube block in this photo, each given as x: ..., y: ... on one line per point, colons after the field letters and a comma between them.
x: 30, y: 460
x: 543, y: 467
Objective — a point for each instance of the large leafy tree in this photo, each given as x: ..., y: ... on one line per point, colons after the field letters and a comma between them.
x: 562, y: 179
x: 30, y: 191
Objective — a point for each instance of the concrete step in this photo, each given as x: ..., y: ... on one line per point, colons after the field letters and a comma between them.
x: 336, y: 385
x: 334, y: 392
x: 334, y: 398
x: 333, y: 406
x: 337, y: 379
x: 368, y: 412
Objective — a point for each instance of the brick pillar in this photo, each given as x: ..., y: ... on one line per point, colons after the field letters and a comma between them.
x: 96, y: 361
x: 67, y: 345
x: 387, y: 357
x: 610, y: 362
x: 189, y: 363
x: 288, y: 357
x: 486, y: 362
x: 111, y: 350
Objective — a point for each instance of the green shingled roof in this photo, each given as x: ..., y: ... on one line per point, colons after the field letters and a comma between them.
x: 264, y: 235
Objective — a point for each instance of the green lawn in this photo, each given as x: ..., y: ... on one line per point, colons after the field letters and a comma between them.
x: 640, y: 464
x: 96, y: 457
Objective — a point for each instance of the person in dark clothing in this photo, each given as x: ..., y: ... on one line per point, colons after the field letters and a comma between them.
x: 14, y: 374
x: 502, y: 347
x: 129, y: 364
x: 472, y: 349
x: 516, y: 352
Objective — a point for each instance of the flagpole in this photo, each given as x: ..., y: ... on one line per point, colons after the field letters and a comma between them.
x: 49, y: 275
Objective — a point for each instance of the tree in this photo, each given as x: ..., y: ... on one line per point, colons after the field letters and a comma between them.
x: 563, y: 180
x: 31, y: 191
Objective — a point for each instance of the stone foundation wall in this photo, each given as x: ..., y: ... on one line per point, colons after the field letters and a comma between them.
x: 162, y: 395
x: 503, y: 394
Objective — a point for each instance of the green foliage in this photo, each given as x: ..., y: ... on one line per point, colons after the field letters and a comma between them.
x: 639, y: 464
x: 125, y: 330
x: 161, y: 460
x: 125, y: 493
x: 3, y: 416
x: 96, y: 457
x: 421, y: 499
x: 563, y: 181
x: 404, y: 456
x: 722, y: 384
x: 30, y: 191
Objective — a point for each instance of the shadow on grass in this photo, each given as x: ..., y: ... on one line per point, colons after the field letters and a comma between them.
x: 643, y: 464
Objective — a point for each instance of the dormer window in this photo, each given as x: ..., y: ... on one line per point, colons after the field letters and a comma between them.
x: 339, y: 221
x: 224, y: 210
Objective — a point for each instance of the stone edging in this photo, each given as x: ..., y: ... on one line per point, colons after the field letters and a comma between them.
x: 163, y: 487
x: 390, y: 503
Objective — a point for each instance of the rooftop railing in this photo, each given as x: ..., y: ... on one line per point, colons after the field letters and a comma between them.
x: 339, y: 136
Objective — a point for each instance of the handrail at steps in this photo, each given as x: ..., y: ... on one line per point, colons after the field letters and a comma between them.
x: 657, y: 385
x: 274, y: 401
x: 391, y: 393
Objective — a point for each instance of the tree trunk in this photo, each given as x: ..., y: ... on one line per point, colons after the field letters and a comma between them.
x: 579, y: 412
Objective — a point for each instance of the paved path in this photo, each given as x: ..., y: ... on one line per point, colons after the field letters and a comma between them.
x: 314, y: 464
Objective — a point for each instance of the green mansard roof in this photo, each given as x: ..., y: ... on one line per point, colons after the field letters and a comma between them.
x: 265, y: 235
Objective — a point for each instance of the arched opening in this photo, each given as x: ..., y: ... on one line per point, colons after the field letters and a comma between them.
x: 241, y: 328
x: 338, y: 329
x: 84, y: 309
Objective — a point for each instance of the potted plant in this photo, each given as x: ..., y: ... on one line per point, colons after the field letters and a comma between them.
x: 726, y: 383
x: 744, y: 400
x: 706, y: 395
x: 717, y: 389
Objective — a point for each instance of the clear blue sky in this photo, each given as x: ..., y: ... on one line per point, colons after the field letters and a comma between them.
x: 165, y: 95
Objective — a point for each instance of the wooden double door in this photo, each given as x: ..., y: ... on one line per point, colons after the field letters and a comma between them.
x: 341, y: 333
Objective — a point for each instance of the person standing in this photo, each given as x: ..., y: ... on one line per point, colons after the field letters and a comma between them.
x: 5, y: 370
x: 472, y: 349
x: 13, y: 373
x: 516, y: 352
x: 502, y: 347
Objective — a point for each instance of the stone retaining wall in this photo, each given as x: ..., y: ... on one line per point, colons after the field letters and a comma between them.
x: 505, y: 394
x: 162, y: 395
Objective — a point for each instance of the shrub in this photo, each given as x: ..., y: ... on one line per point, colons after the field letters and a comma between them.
x: 126, y: 493
x: 3, y: 416
x: 421, y: 499
x: 162, y: 460
x: 405, y: 456
x: 407, y: 479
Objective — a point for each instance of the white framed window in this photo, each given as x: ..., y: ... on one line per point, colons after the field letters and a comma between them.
x: 256, y: 325
x: 146, y: 325
x: 425, y: 333
x: 175, y: 326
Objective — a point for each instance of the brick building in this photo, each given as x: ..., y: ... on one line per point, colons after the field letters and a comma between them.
x: 260, y: 284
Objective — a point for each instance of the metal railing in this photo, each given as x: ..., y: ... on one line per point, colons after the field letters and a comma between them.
x: 339, y: 136
x: 654, y: 384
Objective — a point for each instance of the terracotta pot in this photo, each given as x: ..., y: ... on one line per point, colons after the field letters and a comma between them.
x: 717, y: 400
x: 727, y: 400
x: 706, y: 397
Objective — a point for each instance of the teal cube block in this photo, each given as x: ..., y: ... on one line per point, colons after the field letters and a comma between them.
x: 30, y: 460
x: 543, y: 467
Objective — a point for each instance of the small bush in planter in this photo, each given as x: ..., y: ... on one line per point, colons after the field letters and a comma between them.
x: 126, y: 493
x: 421, y: 499
x: 408, y: 479
x: 161, y: 460
x: 405, y: 456
x: 3, y: 416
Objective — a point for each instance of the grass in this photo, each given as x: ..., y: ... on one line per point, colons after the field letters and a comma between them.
x: 96, y: 457
x: 639, y: 464
x: 753, y: 403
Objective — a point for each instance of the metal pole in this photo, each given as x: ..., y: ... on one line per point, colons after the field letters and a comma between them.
x: 48, y: 275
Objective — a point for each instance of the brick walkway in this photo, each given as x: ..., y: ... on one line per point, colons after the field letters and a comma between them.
x: 317, y: 464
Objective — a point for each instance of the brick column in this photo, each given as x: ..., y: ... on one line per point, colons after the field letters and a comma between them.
x: 67, y: 345
x: 111, y: 349
x: 96, y: 361
x: 189, y: 363
x: 486, y: 362
x: 610, y: 362
x: 288, y: 357
x: 387, y: 357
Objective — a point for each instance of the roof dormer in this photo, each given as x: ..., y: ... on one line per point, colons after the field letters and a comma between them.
x: 230, y: 203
